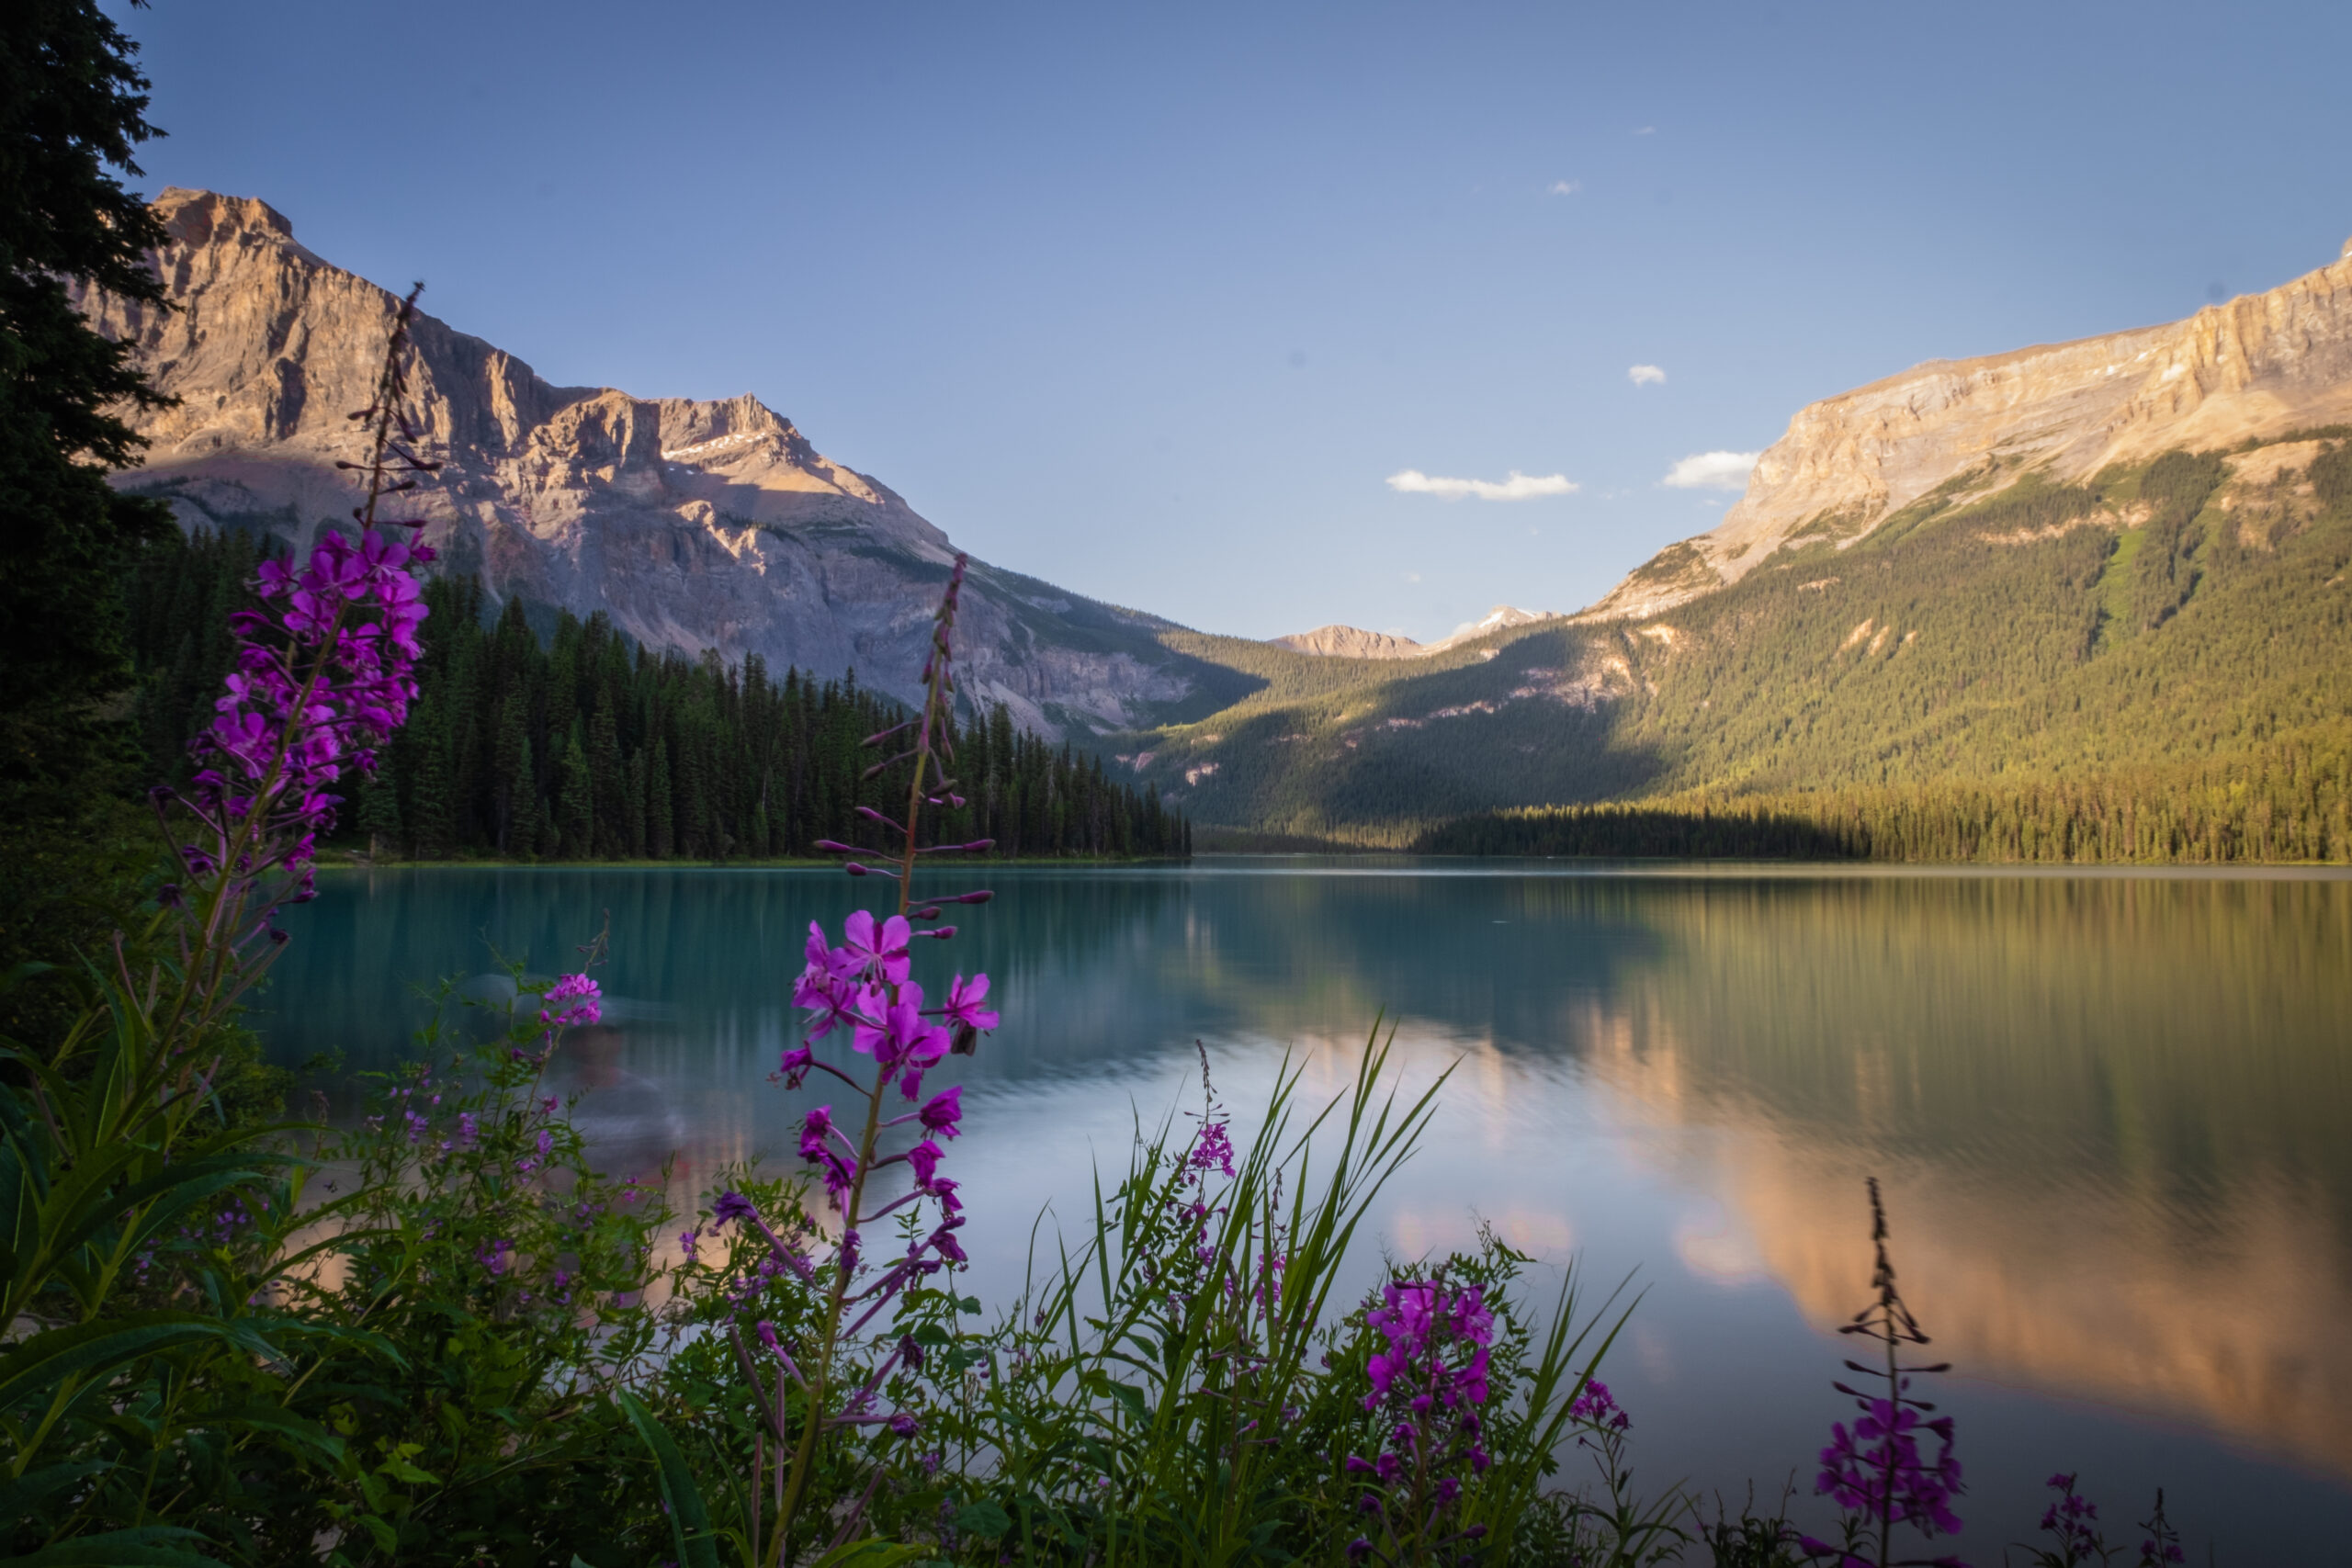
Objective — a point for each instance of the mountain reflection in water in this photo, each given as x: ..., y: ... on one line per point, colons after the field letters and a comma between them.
x: 2110, y: 1109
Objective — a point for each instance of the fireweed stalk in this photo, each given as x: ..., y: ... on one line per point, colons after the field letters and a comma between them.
x: 322, y: 677
x: 1876, y: 1470
x: 865, y: 985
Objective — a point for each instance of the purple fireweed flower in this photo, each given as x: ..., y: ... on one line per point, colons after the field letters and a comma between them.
x: 1598, y: 1407
x: 942, y: 1241
x: 824, y: 959
x: 1213, y: 1147
x: 575, y: 999
x: 896, y: 1035
x: 686, y: 1242
x: 1428, y: 1376
x: 904, y: 1426
x: 963, y: 1000
x: 2074, y: 1520
x: 943, y: 1112
x: 943, y: 1189
x: 833, y: 998
x: 494, y: 1256
x: 795, y: 1064
x: 838, y: 1168
x: 924, y: 1156
x: 733, y: 1206
x: 879, y: 947
x: 1878, y: 1469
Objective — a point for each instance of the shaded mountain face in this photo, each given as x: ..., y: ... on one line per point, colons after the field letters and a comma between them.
x: 2257, y: 369
x: 694, y: 524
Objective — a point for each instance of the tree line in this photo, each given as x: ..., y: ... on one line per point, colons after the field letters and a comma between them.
x: 2285, y: 802
x: 582, y: 745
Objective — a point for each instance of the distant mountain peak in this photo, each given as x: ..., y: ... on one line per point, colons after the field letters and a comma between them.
x: 1502, y: 617
x: 1351, y: 642
x: 2255, y: 368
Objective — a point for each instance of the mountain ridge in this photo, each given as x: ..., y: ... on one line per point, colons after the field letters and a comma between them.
x: 2257, y: 367
x: 694, y: 524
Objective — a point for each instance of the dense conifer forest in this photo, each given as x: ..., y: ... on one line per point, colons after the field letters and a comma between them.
x: 578, y: 745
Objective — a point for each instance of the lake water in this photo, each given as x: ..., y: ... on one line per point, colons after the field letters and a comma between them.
x: 2112, y: 1113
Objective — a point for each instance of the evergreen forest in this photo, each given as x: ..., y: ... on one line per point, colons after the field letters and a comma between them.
x: 578, y: 745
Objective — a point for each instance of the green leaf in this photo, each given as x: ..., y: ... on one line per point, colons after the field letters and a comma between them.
x: 17, y: 1497
x: 152, y: 1546
x: 48, y: 1359
x: 398, y: 1468
x: 1130, y: 1398
x: 273, y: 1418
x: 689, y: 1519
x: 983, y: 1518
x: 872, y: 1552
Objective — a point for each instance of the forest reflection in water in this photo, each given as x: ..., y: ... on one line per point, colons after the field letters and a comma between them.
x: 2110, y: 1109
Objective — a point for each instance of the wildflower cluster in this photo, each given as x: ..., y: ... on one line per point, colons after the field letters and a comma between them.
x: 2076, y: 1539
x: 324, y: 673
x: 1429, y: 1381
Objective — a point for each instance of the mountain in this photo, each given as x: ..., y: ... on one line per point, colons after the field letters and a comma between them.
x: 2101, y: 585
x: 1502, y: 617
x: 1349, y: 642
x: 2250, y: 371
x: 1355, y: 642
x: 694, y: 524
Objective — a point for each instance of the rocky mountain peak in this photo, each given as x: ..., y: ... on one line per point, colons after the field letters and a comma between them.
x: 1349, y: 642
x: 2257, y: 367
x: 695, y: 524
x: 1502, y: 617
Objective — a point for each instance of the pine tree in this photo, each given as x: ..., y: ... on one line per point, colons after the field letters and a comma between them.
x: 658, y: 819
x: 431, y: 815
x: 378, y: 814
x: 515, y: 783
x: 575, y: 813
x: 609, y: 781
x: 633, y: 843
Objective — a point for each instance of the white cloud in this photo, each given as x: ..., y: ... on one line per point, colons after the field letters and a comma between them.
x: 1518, y: 487
x: 1646, y: 131
x: 1712, y: 470
x: 1567, y: 188
x: 1646, y: 375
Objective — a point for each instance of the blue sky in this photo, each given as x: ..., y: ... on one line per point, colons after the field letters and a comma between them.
x: 1152, y: 301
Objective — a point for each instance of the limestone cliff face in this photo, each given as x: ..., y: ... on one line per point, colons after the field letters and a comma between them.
x: 694, y: 524
x: 2257, y: 367
x: 1349, y: 642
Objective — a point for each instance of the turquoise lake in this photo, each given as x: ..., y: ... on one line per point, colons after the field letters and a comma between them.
x: 2112, y: 1113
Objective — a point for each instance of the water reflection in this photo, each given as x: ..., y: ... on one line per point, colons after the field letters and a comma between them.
x: 2110, y: 1109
